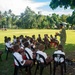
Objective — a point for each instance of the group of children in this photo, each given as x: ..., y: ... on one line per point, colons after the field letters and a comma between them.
x: 32, y: 46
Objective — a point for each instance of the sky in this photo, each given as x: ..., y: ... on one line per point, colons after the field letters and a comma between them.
x: 19, y: 6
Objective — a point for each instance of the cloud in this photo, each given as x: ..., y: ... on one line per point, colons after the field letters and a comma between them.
x: 57, y: 12
x: 18, y: 6
x: 37, y: 6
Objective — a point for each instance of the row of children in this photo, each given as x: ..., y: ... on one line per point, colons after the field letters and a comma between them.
x: 23, y: 58
x: 47, y: 41
x: 21, y: 44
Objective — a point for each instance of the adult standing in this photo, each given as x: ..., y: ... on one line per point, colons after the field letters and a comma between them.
x: 62, y: 35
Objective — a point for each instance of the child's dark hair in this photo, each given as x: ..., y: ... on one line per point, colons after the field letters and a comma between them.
x: 60, y: 47
x: 16, y: 47
x: 26, y: 44
x: 5, y: 39
x: 41, y: 47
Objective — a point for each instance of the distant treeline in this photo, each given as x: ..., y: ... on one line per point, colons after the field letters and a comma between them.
x: 29, y: 20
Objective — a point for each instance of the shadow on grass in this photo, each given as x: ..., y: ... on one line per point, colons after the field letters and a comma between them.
x: 2, y: 47
x: 70, y: 47
x: 7, y: 67
x: 70, y: 51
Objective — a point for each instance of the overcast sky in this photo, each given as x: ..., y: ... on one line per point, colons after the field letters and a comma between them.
x: 18, y: 6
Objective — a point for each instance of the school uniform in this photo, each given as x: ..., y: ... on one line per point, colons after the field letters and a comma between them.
x: 41, y: 53
x: 8, y: 45
x: 19, y: 58
x: 30, y: 52
x: 14, y: 41
x: 59, y: 52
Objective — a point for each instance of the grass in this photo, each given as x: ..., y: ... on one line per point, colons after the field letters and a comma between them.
x: 6, y: 67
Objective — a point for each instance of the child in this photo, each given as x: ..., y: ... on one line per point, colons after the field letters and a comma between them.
x: 39, y: 39
x: 53, y: 41
x: 46, y: 41
x: 40, y: 51
x: 28, y: 49
x: 19, y: 57
x: 59, y: 51
x: 14, y: 39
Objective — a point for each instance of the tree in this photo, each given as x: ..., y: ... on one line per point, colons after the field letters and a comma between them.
x: 0, y: 19
x: 10, y: 12
x: 64, y: 17
x: 62, y: 3
x: 27, y: 19
x: 71, y: 19
x: 7, y: 18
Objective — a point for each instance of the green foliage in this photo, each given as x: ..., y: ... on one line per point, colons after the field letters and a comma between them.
x: 71, y: 20
x: 62, y: 3
x: 30, y: 20
x: 65, y: 3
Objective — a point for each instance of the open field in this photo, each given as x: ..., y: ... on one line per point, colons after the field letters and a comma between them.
x: 30, y: 32
x: 70, y: 35
x: 6, y: 67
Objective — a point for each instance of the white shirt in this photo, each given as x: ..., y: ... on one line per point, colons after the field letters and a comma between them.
x: 30, y: 52
x: 59, y: 52
x: 10, y: 42
x: 8, y: 45
x: 19, y: 58
x: 22, y: 46
x: 14, y: 41
x: 41, y: 53
x: 28, y: 41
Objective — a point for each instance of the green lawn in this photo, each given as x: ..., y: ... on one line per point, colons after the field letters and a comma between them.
x: 30, y: 32
x: 6, y: 67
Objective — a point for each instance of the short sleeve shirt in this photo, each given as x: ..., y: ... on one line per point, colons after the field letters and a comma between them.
x: 43, y: 54
x: 19, y: 58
